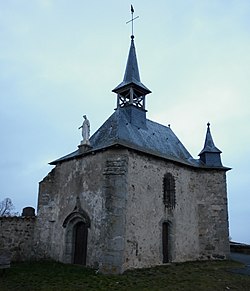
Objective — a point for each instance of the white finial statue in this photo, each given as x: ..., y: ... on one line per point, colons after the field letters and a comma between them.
x: 85, y: 131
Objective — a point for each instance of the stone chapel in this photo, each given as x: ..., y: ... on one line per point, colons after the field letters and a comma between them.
x: 132, y: 196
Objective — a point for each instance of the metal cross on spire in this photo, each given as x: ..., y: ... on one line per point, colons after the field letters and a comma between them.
x: 132, y: 20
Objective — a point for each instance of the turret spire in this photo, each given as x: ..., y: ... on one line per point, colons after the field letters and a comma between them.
x: 210, y: 155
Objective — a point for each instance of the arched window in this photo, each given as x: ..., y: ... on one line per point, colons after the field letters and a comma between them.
x: 169, y: 191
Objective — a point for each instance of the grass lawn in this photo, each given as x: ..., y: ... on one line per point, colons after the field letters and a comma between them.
x: 186, y: 276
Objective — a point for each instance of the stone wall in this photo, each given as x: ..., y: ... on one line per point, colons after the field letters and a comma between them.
x: 146, y: 213
x: 91, y: 178
x: 120, y: 192
x: 16, y: 236
x: 198, y: 225
x: 213, y: 215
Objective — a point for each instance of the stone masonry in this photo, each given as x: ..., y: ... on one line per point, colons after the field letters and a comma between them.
x: 122, y: 193
x: 17, y: 237
x: 198, y: 224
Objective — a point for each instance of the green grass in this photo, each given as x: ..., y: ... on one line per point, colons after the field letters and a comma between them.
x: 186, y: 276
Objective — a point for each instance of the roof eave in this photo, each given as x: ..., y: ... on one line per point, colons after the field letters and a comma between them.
x: 123, y: 86
x: 194, y: 164
x: 212, y: 151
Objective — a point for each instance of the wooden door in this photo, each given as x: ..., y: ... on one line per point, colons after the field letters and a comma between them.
x: 165, y: 242
x: 80, y: 243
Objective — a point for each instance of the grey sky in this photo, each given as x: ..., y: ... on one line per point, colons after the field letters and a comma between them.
x: 61, y: 59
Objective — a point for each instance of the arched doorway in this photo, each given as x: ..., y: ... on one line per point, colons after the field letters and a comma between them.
x: 76, y: 226
x: 80, y: 238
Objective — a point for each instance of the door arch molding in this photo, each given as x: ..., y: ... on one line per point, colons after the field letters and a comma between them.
x: 76, y: 226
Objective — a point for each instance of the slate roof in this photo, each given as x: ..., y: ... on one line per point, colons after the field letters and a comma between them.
x: 155, y: 139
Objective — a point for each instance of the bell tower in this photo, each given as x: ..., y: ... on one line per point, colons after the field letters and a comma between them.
x: 131, y: 92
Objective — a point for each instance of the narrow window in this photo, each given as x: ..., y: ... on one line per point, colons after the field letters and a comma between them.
x: 169, y: 191
x: 165, y: 242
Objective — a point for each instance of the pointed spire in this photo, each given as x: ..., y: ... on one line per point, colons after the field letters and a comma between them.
x: 209, y: 146
x: 132, y: 75
x: 132, y: 70
x: 210, y: 154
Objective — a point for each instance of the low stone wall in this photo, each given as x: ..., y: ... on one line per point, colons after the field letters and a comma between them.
x: 239, y: 248
x: 17, y: 237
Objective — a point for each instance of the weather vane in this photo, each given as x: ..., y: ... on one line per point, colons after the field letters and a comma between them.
x: 132, y: 19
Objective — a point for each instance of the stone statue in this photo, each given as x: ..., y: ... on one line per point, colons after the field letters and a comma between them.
x: 85, y: 131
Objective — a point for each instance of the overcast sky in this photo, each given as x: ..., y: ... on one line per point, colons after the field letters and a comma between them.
x: 60, y: 59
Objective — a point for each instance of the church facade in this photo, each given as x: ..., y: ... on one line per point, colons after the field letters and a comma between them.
x: 131, y: 195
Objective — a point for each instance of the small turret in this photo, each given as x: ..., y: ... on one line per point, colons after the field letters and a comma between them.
x: 210, y: 155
